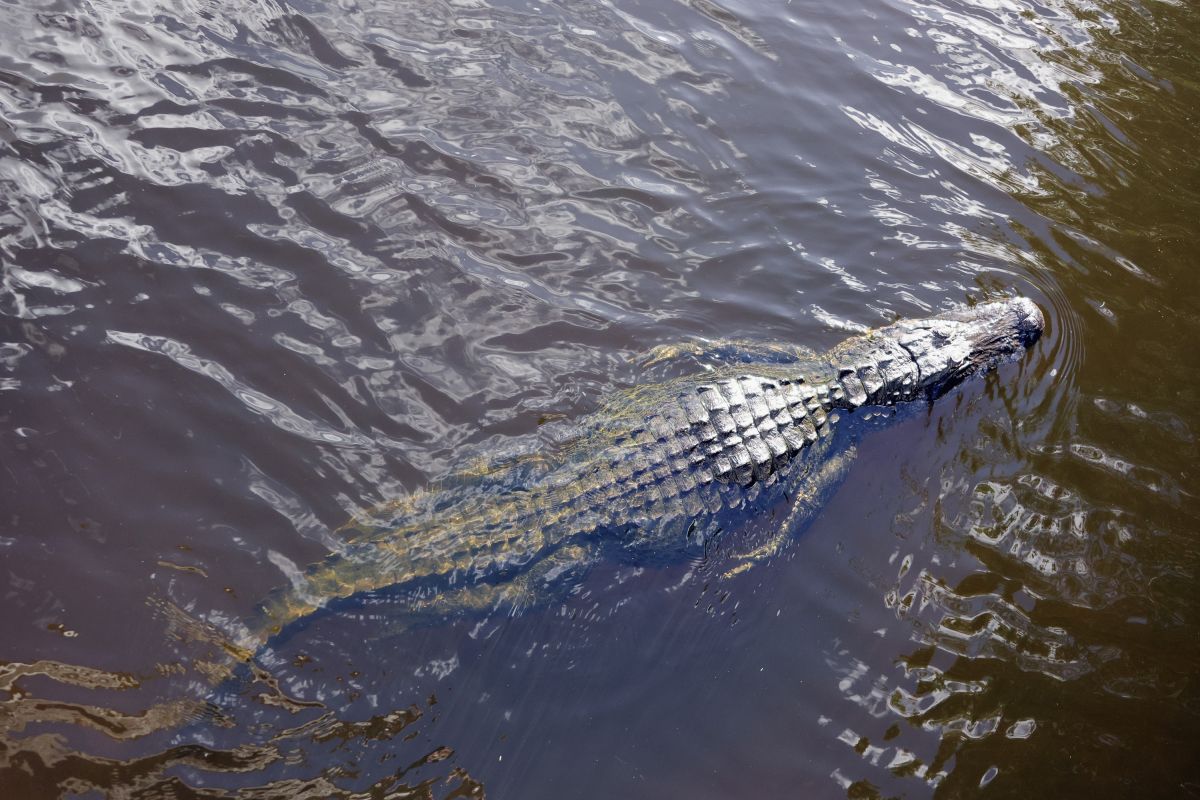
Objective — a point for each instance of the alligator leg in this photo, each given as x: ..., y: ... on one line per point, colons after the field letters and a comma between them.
x: 723, y: 352
x: 804, y: 508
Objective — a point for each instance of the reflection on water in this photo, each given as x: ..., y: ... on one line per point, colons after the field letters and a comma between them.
x: 265, y: 268
x: 46, y: 764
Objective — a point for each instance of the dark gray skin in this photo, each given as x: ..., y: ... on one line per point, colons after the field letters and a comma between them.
x: 656, y: 473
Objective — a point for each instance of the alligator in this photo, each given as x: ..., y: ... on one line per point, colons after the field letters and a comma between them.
x: 657, y: 472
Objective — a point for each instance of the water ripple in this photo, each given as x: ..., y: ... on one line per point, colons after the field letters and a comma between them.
x: 267, y: 268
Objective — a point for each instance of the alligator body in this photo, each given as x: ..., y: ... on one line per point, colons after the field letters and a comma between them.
x: 655, y: 474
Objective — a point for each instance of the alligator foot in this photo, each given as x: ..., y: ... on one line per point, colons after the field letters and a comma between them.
x: 805, y: 505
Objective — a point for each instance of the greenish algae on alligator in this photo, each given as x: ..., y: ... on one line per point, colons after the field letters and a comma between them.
x: 655, y: 473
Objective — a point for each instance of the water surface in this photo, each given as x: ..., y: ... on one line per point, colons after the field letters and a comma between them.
x: 266, y: 266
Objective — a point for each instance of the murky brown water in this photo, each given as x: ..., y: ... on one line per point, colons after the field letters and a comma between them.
x: 269, y: 265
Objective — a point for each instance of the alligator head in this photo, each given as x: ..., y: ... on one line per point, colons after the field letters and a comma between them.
x: 952, y: 346
x: 919, y: 358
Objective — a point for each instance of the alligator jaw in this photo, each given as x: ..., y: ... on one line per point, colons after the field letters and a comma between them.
x: 952, y: 346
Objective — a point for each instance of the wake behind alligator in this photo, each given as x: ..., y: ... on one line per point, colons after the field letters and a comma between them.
x: 654, y: 474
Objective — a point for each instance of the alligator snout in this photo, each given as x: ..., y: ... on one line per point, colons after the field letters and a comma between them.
x: 1030, y: 322
x: 952, y: 346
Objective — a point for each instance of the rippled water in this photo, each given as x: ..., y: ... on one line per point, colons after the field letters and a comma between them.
x: 267, y: 266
